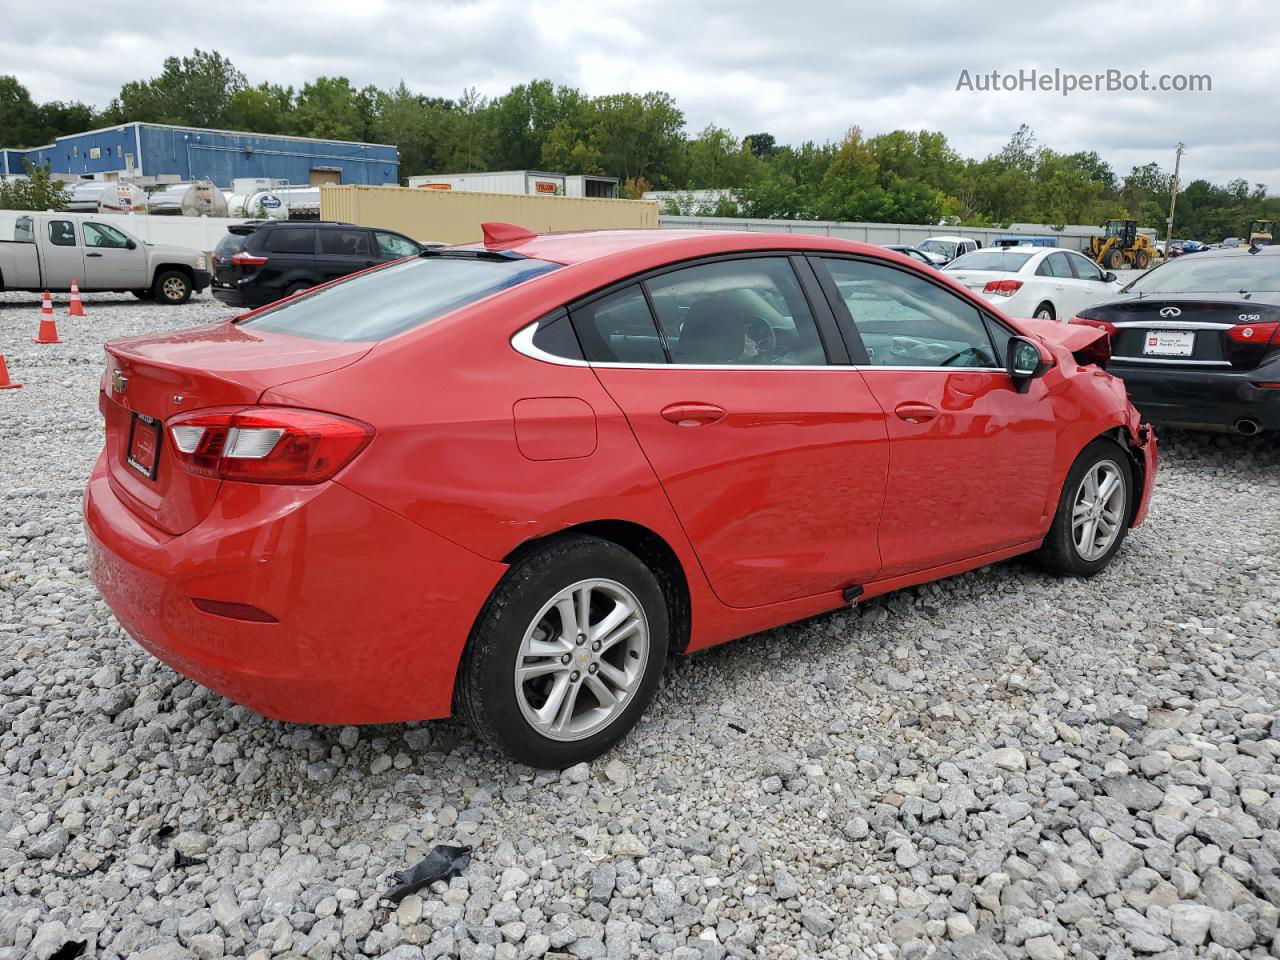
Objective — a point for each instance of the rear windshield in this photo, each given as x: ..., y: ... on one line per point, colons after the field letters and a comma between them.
x: 1205, y: 273
x: 989, y: 260
x: 382, y: 303
x: 230, y: 245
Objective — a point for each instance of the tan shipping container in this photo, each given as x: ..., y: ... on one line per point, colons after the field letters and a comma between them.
x: 448, y: 216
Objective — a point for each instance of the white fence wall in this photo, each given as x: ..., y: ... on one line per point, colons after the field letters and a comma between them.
x: 1072, y: 238
x: 198, y: 233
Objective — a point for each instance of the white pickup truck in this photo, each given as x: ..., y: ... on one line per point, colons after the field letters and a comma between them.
x: 46, y: 251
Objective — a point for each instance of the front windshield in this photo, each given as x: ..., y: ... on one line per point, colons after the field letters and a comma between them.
x: 1245, y: 273
x: 942, y: 247
x: 1003, y: 260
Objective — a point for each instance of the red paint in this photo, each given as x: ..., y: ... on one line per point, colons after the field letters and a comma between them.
x: 774, y: 487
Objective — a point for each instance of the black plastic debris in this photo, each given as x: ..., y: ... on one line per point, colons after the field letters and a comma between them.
x: 103, y: 864
x: 441, y: 863
x: 734, y: 726
x: 181, y: 860
x: 69, y: 950
x: 164, y: 833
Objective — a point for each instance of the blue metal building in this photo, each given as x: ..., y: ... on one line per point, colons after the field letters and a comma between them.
x: 159, y: 153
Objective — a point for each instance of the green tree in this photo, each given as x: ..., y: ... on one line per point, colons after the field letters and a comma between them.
x: 418, y: 125
x: 194, y: 90
x: 266, y: 108
x: 20, y: 122
x: 763, y: 145
x: 332, y: 109
x: 566, y: 149
x: 638, y: 136
x: 715, y: 158
x: 36, y: 191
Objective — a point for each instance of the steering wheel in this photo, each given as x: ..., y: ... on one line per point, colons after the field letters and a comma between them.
x: 973, y: 352
x: 761, y: 333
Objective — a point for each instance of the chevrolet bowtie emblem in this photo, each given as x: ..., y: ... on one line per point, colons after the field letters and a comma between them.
x: 118, y: 381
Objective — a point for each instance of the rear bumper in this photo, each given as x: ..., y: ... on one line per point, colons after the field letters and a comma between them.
x: 246, y: 296
x: 373, y: 611
x: 1214, y: 400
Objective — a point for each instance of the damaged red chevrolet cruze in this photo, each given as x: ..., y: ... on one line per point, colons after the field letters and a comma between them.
x: 509, y: 479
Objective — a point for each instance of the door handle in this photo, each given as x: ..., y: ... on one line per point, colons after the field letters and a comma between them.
x: 692, y: 414
x: 916, y: 412
x: 93, y: 254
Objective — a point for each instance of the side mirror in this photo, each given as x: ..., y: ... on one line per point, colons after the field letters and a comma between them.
x: 1025, y: 361
x: 1109, y: 277
x: 131, y: 244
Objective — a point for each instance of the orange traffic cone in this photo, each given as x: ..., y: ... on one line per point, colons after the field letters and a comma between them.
x: 4, y: 376
x: 77, y: 308
x: 48, y: 326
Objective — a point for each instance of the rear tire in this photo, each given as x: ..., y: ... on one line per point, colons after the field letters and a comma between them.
x: 172, y: 287
x: 1073, y: 547
x: 532, y: 625
x: 1045, y: 312
x: 1142, y: 260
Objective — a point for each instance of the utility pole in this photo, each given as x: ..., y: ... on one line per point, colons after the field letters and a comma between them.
x: 1173, y: 198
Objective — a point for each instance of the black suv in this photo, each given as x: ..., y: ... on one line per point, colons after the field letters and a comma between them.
x: 260, y: 261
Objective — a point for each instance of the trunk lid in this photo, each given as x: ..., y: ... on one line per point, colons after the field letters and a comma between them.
x: 1228, y: 332
x: 975, y: 280
x: 149, y: 379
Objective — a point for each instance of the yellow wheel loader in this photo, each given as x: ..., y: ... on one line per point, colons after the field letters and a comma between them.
x: 1121, y: 244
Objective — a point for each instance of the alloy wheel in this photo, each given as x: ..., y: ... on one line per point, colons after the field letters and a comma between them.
x: 1097, y: 511
x: 174, y: 288
x: 581, y: 660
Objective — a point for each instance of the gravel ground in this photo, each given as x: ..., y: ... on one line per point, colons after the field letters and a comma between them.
x: 999, y: 765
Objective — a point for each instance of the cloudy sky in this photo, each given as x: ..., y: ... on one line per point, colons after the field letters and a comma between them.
x: 805, y: 69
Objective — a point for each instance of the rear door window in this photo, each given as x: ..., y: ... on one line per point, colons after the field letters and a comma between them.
x: 1085, y: 269
x: 345, y: 243
x: 745, y: 312
x: 383, y: 302
x: 292, y: 240
x: 62, y: 233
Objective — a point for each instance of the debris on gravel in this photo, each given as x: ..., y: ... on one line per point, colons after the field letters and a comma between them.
x: 999, y: 765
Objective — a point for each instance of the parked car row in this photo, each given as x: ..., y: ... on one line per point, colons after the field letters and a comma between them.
x: 508, y: 478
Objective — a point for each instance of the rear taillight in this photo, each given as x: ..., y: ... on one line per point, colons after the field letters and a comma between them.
x: 1100, y: 324
x: 1254, y: 334
x: 266, y: 444
x: 1003, y: 288
x: 243, y: 259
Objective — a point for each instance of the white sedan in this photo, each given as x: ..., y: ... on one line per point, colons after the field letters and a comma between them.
x: 1045, y: 282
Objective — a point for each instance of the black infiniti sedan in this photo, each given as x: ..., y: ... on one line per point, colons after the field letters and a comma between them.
x: 1197, y: 340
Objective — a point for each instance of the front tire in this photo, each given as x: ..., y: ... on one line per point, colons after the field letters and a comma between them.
x: 172, y: 287
x: 1093, y: 512
x: 1115, y: 259
x: 566, y: 653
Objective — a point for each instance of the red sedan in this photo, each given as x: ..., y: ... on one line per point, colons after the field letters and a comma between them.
x: 511, y: 478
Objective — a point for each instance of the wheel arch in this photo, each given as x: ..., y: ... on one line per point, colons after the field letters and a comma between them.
x: 652, y: 549
x: 182, y: 268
